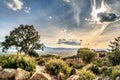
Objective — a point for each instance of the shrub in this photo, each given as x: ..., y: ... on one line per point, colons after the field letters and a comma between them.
x: 20, y: 61
x: 115, y: 73
x: 107, y: 71
x: 86, y: 75
x: 114, y: 57
x: 86, y: 55
x: 33, y: 53
x: 95, y: 69
x: 75, y: 65
x: 55, y: 66
x: 41, y: 61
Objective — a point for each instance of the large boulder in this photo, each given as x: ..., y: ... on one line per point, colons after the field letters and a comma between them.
x: 73, y: 77
x: 40, y: 76
x: 22, y: 74
x: 7, y: 74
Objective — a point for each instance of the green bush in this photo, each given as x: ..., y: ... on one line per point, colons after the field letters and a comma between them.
x: 95, y: 69
x: 86, y: 75
x: 107, y: 70
x: 86, y: 55
x: 41, y: 61
x: 55, y: 66
x: 115, y: 73
x: 33, y: 53
x: 20, y: 61
x: 75, y: 65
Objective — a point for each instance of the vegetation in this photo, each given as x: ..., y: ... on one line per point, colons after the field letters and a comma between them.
x: 20, y: 61
x: 55, y: 66
x: 86, y: 75
x: 86, y: 54
x: 24, y: 38
x: 114, y: 55
x: 33, y: 53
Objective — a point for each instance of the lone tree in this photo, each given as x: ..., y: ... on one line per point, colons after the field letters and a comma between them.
x: 114, y: 56
x: 86, y: 55
x: 24, y: 38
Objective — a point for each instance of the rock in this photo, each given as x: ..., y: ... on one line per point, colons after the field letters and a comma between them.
x: 107, y: 79
x: 40, y: 76
x: 0, y: 68
x: 22, y: 74
x: 73, y: 77
x: 117, y: 78
x: 7, y: 74
x: 60, y: 76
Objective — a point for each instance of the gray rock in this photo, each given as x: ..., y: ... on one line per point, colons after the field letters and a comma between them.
x: 40, y: 76
x: 7, y: 74
x: 117, y: 78
x: 22, y: 74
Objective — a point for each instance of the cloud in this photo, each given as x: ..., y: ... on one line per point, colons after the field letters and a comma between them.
x: 67, y: 1
x: 27, y: 9
x: 107, y: 17
x: 69, y: 42
x: 14, y: 4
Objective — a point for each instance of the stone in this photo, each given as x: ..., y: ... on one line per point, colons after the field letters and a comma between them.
x: 40, y: 76
x: 107, y: 79
x: 117, y: 78
x: 7, y: 74
x: 60, y: 76
x: 0, y: 68
x: 73, y: 77
x: 22, y: 74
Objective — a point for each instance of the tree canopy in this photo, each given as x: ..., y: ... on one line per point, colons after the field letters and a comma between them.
x: 24, y: 38
x: 86, y: 54
x: 114, y: 55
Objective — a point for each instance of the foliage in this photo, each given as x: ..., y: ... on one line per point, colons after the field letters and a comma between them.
x: 75, y: 65
x: 86, y: 75
x: 86, y: 54
x: 115, y: 73
x: 114, y: 56
x: 55, y: 66
x: 95, y: 69
x: 24, y: 38
x: 20, y: 61
x: 41, y: 61
x: 107, y: 70
x: 33, y: 53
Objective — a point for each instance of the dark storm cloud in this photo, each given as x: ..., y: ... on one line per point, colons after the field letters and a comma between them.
x: 69, y: 42
x: 107, y: 17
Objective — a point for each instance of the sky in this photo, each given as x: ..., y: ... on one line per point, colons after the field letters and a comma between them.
x: 61, y: 23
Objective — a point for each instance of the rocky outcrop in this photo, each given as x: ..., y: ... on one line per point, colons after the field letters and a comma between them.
x: 73, y: 77
x: 40, y: 76
x: 22, y: 74
x: 7, y: 74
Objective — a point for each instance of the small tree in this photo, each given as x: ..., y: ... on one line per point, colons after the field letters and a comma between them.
x: 114, y: 56
x: 86, y: 54
x: 24, y: 38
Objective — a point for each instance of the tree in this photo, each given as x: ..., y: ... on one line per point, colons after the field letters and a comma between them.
x: 24, y: 38
x: 114, y: 56
x: 86, y: 54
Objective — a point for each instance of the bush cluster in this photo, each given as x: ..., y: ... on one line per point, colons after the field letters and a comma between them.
x: 86, y: 75
x: 55, y: 66
x: 20, y: 61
